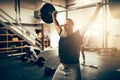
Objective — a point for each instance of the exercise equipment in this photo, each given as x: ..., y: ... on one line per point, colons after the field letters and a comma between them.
x: 47, y: 9
x: 40, y: 62
x: 91, y: 66
x: 49, y: 71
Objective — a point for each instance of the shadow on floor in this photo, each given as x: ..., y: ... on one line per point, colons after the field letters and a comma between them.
x: 13, y: 68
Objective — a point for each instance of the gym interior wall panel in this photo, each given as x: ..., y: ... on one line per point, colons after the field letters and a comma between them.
x: 26, y: 14
x: 54, y: 37
x: 47, y: 30
x: 114, y: 33
x: 113, y: 27
x: 8, y: 7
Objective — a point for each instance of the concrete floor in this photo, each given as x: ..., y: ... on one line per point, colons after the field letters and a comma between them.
x: 13, y: 68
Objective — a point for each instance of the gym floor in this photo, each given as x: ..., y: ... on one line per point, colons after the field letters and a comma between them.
x: 12, y: 68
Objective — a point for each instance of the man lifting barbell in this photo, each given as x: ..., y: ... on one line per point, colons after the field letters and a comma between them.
x: 69, y: 47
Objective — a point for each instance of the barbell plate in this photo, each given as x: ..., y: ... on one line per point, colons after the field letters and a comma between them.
x: 41, y: 61
x: 49, y: 71
x: 46, y: 12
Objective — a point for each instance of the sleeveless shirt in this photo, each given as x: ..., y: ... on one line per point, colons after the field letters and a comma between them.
x: 69, y: 48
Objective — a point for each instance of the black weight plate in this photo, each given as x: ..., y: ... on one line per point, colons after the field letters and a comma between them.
x: 46, y: 12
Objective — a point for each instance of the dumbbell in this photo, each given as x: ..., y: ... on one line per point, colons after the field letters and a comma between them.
x: 49, y: 71
x: 41, y: 61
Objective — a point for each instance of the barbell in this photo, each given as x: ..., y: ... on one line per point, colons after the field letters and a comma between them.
x: 47, y: 9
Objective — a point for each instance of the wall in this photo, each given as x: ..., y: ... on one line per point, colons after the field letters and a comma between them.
x: 81, y: 17
x: 113, y: 26
x: 26, y: 10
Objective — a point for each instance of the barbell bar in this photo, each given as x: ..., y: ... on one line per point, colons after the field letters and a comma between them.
x: 82, y: 7
x: 47, y: 9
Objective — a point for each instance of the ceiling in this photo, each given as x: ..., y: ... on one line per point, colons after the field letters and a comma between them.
x: 61, y: 3
x: 34, y: 4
